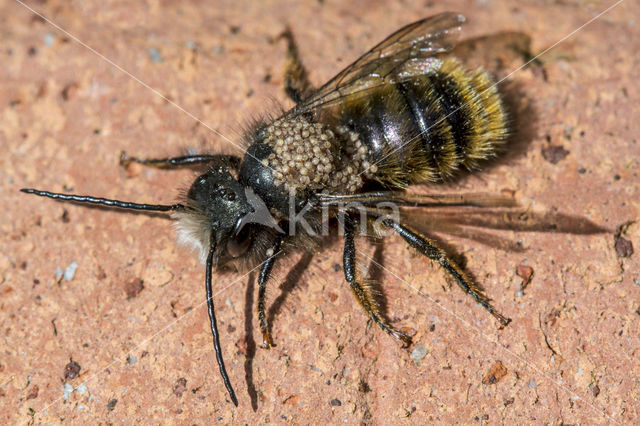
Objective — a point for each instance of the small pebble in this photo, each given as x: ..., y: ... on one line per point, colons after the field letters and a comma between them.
x: 419, y: 352
x: 554, y: 153
x: 70, y: 272
x: 623, y: 247
x: 68, y: 389
x: 495, y: 374
x: 111, y: 405
x: 82, y: 389
x: 72, y: 370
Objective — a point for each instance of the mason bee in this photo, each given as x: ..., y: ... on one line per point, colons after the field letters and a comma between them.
x: 404, y: 113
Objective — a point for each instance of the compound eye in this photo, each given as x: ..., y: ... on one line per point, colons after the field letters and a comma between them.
x: 199, y: 190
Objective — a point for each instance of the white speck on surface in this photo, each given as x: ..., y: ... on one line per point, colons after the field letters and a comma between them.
x: 419, y: 352
x: 191, y: 45
x: 68, y: 389
x: 80, y: 407
x: 155, y: 55
x: 532, y: 384
x: 59, y: 273
x: 229, y: 303
x: 82, y: 389
x: 131, y: 360
x: 70, y: 272
x: 49, y: 39
x: 580, y: 372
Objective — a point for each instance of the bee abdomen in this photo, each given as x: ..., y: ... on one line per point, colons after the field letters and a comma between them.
x: 473, y: 109
x: 426, y: 128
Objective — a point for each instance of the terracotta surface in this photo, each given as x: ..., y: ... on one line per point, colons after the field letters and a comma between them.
x: 132, y: 319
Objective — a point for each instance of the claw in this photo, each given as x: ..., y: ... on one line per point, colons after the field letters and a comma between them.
x: 125, y: 160
x: 402, y: 337
x: 267, y: 343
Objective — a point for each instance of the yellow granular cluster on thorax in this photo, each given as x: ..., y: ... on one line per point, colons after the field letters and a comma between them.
x: 311, y: 156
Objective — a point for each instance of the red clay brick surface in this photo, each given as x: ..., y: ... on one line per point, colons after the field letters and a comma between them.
x: 132, y: 318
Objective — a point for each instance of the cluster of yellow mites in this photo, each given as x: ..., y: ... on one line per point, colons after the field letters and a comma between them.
x: 311, y: 156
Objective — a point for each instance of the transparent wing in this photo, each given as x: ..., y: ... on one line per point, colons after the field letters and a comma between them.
x: 407, y: 199
x: 405, y: 53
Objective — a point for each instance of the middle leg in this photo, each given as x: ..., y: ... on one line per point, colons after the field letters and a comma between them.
x: 363, y: 292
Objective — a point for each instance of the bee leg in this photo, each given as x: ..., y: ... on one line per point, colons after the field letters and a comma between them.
x: 364, y: 293
x: 429, y: 249
x: 296, y: 77
x: 187, y: 160
x: 265, y: 273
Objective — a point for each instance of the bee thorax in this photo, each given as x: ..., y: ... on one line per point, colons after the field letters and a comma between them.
x: 308, y: 155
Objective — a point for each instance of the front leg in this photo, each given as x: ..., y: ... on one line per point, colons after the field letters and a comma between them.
x: 296, y: 78
x: 265, y: 273
x: 363, y: 292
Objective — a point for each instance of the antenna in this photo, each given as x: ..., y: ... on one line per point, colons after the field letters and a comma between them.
x: 214, y: 325
x: 104, y: 201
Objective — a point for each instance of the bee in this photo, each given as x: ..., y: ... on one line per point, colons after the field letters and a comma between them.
x: 404, y: 113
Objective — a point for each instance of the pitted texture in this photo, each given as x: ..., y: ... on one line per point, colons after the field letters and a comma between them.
x: 311, y: 156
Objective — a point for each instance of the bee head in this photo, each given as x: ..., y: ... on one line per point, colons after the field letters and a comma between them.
x: 216, y: 203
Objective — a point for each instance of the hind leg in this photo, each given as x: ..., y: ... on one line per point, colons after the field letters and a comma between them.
x: 429, y: 249
x: 296, y: 78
